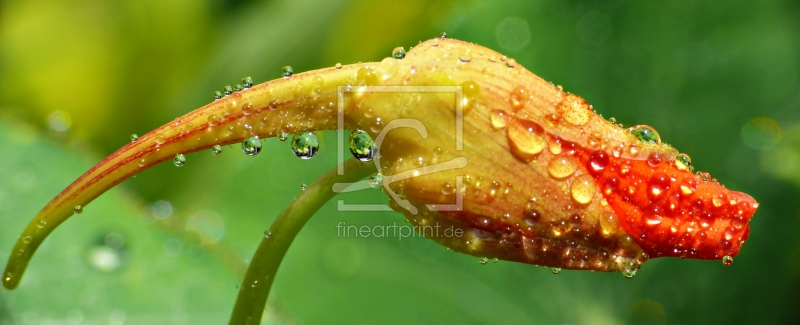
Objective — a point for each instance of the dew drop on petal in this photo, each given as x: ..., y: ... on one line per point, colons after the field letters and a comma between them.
x: 217, y: 95
x: 645, y: 133
x: 305, y: 145
x: 465, y: 57
x: 574, y: 109
x: 227, y: 90
x: 556, y: 270
x: 338, y: 66
x: 399, y: 53
x: 134, y: 137
x: 283, y: 136
x: 247, y: 82
x: 160, y: 138
x: 727, y: 260
x: 498, y: 118
x: 683, y: 162
x: 251, y: 146
x: 562, y: 166
x: 179, y: 160
x: 582, y: 189
x: 213, y: 120
x: 287, y: 71
x: 361, y: 145
x: 78, y: 209
x: 526, y: 138
x: 216, y: 149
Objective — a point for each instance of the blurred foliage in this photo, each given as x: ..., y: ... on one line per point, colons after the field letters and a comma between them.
x: 718, y: 80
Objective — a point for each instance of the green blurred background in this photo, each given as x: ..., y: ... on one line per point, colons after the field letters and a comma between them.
x: 718, y: 80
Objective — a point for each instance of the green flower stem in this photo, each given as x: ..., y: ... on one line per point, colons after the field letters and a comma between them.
x: 258, y: 280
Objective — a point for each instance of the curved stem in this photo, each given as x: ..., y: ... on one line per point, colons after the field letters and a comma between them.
x: 264, y: 265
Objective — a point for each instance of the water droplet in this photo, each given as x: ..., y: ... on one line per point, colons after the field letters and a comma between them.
x: 562, y: 166
x: 498, y: 118
x: 287, y: 71
x: 465, y: 57
x: 247, y: 82
x: 556, y: 270
x: 27, y: 239
x: 303, y: 187
x: 216, y: 149
x: 582, y: 189
x: 375, y: 180
x: 435, y: 42
x: 237, y: 87
x: 247, y: 109
x: 160, y: 138
x: 338, y: 66
x: 227, y: 90
x: 495, y: 260
x: 251, y: 146
x: 366, y: 77
x: 683, y: 162
x: 483, y: 260
x: 598, y: 162
x: 267, y: 234
x: 77, y: 209
x: 213, y: 120
x: 511, y: 63
x: 574, y: 109
x: 518, y: 98
x: 443, y: 35
x: 217, y: 95
x: 361, y: 145
x: 179, y: 160
x: 527, y: 139
x: 645, y: 133
x: 134, y: 137
x: 658, y: 185
x: 399, y: 53
x: 727, y: 260
x: 305, y: 145
x: 41, y: 224
x: 283, y: 136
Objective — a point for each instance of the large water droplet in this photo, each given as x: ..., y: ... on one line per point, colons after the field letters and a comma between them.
x: 217, y: 95
x: 645, y: 133
x: 78, y: 209
x: 361, y: 145
x: 727, y: 260
x: 574, y: 109
x: 582, y: 189
x: 179, y: 160
x: 527, y: 139
x: 251, y: 146
x: 160, y: 138
x: 562, y: 166
x: 247, y: 82
x: 498, y: 118
x: 305, y: 145
x: 287, y: 71
x: 598, y: 162
x: 683, y: 162
x: 213, y: 120
x: 338, y: 66
x: 658, y: 185
x: 465, y: 57
x: 399, y: 53
x: 227, y: 90
x: 216, y: 149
